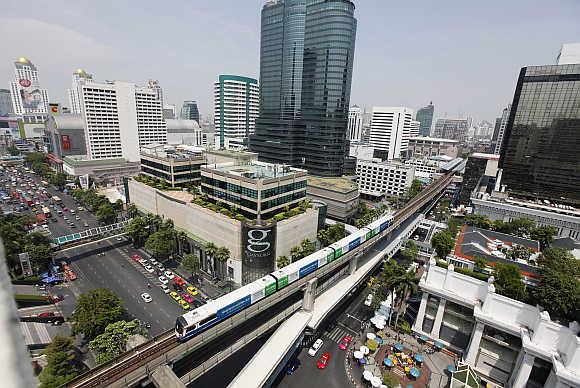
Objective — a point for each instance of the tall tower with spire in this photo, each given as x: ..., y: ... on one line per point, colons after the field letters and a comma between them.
x: 79, y: 77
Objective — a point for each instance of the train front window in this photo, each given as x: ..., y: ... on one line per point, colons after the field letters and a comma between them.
x: 180, y: 325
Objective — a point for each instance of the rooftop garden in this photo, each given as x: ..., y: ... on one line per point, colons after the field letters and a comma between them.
x: 156, y: 183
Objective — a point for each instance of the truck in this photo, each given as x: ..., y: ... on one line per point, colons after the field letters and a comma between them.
x: 46, y: 212
x: 56, y: 200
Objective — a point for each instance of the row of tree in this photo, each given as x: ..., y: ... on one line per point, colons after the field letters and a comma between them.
x: 331, y: 234
x: 14, y: 230
x: 104, y: 210
x: 366, y: 215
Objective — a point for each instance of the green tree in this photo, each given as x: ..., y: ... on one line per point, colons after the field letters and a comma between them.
x: 40, y: 255
x: 210, y: 249
x: 113, y: 341
x: 480, y: 263
x: 443, y: 242
x: 545, y: 235
x: 307, y: 247
x: 282, y: 261
x: 331, y: 234
x: 160, y: 243
x: 518, y: 252
x: 138, y: 229
x: 406, y: 285
x: 59, y: 180
x: 296, y: 253
x: 35, y: 157
x: 132, y: 210
x: 508, y: 281
x: 95, y: 310
x: 411, y: 251
x: 105, y: 213
x: 478, y: 221
x: 62, y: 365
x: 222, y: 254
x: 13, y: 151
x: 413, y: 190
x: 191, y: 263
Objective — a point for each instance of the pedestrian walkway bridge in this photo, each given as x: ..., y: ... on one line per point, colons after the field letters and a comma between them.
x: 90, y: 234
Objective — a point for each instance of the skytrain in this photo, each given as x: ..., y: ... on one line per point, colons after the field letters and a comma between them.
x: 196, y: 321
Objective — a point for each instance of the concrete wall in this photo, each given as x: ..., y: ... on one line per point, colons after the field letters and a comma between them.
x: 341, y: 206
x: 292, y: 231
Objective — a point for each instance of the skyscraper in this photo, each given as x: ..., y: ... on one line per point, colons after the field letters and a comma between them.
x: 499, y: 130
x: 79, y: 77
x: 540, y: 156
x: 28, y: 99
x: 189, y: 111
x: 425, y: 117
x: 390, y: 131
x: 236, y: 101
x: 5, y: 102
x: 307, y: 53
x: 355, y: 127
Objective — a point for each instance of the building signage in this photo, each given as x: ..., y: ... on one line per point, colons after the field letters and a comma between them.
x: 25, y: 263
x: 258, y: 251
x: 84, y: 181
x: 32, y: 98
x: 25, y: 83
x: 65, y: 141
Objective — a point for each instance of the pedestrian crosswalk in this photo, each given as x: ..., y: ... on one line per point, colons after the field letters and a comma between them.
x: 337, y: 334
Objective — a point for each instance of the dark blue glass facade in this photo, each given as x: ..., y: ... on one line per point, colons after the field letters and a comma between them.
x: 189, y: 111
x: 539, y: 155
x: 425, y: 117
x: 306, y: 58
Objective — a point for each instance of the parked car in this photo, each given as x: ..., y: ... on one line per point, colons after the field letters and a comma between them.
x: 163, y: 280
x: 192, y: 290
x: 164, y: 288
x: 315, y: 347
x: 135, y: 257
x: 169, y: 275
x: 292, y: 366
x: 187, y: 297
x: 149, y: 269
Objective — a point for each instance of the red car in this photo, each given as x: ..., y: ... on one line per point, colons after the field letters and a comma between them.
x: 343, y: 344
x: 135, y: 257
x: 46, y: 315
x: 323, y: 360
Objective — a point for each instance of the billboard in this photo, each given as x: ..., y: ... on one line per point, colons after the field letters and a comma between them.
x: 54, y: 108
x: 65, y: 141
x: 31, y: 97
x: 84, y: 181
x: 25, y: 263
x: 258, y: 251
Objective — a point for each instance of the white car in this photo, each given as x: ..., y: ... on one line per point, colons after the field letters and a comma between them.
x: 149, y: 269
x: 164, y: 288
x: 369, y: 300
x: 169, y: 275
x: 143, y: 262
x: 315, y: 347
x: 160, y: 266
x: 153, y: 261
x: 163, y: 279
x: 146, y: 297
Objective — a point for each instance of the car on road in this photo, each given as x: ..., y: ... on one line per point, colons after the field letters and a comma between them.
x: 77, y: 218
x: 192, y: 290
x: 146, y: 297
x: 169, y: 275
x: 315, y: 347
x: 323, y: 360
x: 81, y: 208
x: 46, y: 314
x: 369, y: 300
x: 163, y: 280
x: 72, y: 211
x: 86, y: 224
x: 164, y: 288
x: 64, y: 209
x: 65, y: 218
x: 149, y: 269
x: 292, y: 366
x: 188, y: 298
x: 72, y: 225
x: 343, y: 344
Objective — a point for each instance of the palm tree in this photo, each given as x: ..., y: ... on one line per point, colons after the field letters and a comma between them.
x: 210, y: 251
x: 406, y: 285
x: 222, y: 255
x: 181, y: 237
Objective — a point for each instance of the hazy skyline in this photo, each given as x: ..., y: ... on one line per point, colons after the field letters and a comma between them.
x: 463, y: 56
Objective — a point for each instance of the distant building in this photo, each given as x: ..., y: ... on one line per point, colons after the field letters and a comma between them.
x: 64, y: 136
x: 119, y: 118
x: 361, y: 151
x: 390, y: 131
x: 539, y: 155
x: 169, y: 111
x: 306, y: 59
x: 455, y: 129
x: 5, y: 102
x: 79, y: 77
x: 355, y: 124
x: 176, y: 167
x: 236, y: 103
x: 499, y: 130
x: 569, y: 54
x: 154, y: 85
x: 377, y: 179
x: 425, y: 168
x: 340, y: 195
x: 185, y: 132
x: 425, y: 117
x: 430, y: 146
x: 415, y: 128
x: 103, y: 171
x: 480, y: 172
x: 29, y: 100
x: 190, y: 111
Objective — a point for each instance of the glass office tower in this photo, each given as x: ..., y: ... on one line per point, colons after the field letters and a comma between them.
x: 189, y: 111
x: 425, y: 117
x: 306, y: 57
x: 540, y: 156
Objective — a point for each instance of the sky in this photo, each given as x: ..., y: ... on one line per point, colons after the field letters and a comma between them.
x: 465, y: 56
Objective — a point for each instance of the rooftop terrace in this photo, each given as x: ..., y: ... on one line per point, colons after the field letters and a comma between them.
x: 256, y: 170
x: 343, y: 185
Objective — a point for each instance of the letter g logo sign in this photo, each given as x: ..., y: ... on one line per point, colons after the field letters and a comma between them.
x: 256, y: 241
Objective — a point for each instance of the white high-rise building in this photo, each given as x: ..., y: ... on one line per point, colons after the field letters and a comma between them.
x: 415, y: 128
x: 28, y: 99
x: 355, y: 124
x: 236, y: 106
x: 499, y: 132
x: 390, y: 131
x: 79, y: 77
x: 120, y: 117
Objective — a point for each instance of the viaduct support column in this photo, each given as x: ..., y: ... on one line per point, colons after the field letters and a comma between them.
x: 309, y: 294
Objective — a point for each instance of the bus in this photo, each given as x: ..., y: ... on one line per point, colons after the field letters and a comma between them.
x: 44, y: 183
x: 28, y: 201
x: 56, y: 200
x: 46, y: 212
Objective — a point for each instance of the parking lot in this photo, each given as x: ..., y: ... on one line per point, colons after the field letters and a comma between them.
x: 112, y: 264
